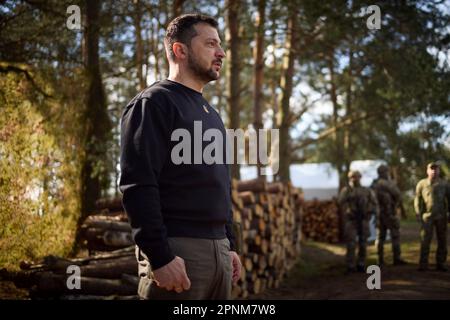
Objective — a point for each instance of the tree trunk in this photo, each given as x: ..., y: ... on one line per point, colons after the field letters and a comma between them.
x: 218, y: 88
x: 275, y: 81
x: 177, y: 8
x: 164, y: 11
x: 139, y: 45
x: 233, y: 69
x: 337, y: 141
x: 258, y: 77
x: 348, y: 146
x: 95, y: 117
x: 153, y: 38
x: 286, y: 88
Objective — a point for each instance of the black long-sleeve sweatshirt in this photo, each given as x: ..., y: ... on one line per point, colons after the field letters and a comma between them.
x: 163, y: 199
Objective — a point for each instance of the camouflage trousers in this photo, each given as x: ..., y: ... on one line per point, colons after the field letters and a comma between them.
x: 426, y: 235
x: 356, y: 234
x: 391, y: 223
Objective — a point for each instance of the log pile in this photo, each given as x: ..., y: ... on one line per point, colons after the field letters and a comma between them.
x: 320, y: 221
x: 106, y: 231
x: 269, y: 215
x: 267, y: 224
x: 111, y: 275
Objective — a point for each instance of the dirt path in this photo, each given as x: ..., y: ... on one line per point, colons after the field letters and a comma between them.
x: 320, y: 274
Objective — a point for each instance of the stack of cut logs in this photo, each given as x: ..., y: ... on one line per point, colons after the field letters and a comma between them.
x: 267, y: 223
x: 269, y: 215
x: 107, y: 230
x: 109, y: 275
x: 320, y: 221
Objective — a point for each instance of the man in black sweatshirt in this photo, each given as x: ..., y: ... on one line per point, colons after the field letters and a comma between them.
x: 178, y: 204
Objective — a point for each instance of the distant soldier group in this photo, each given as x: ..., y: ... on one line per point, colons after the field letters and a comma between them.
x: 381, y: 200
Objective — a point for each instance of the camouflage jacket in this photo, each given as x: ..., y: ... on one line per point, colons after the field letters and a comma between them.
x: 388, y: 196
x: 432, y: 198
x: 358, y: 202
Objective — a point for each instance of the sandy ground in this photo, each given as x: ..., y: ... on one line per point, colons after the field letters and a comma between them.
x: 320, y: 274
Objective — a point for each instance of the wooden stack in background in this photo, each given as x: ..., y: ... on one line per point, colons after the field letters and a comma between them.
x: 269, y: 215
x: 108, y: 230
x: 110, y: 271
x: 320, y: 221
x: 110, y: 275
x: 267, y: 225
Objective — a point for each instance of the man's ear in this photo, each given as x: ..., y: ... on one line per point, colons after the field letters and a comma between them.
x: 179, y: 50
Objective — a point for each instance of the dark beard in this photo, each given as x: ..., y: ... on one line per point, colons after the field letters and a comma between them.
x: 201, y: 73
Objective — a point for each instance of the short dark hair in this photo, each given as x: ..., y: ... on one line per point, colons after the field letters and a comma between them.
x: 181, y: 29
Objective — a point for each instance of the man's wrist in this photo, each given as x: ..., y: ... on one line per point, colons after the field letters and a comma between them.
x: 159, y: 256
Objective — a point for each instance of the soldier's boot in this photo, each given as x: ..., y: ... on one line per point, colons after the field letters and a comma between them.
x: 426, y: 233
x: 360, y: 267
x: 397, y: 260
x: 423, y: 262
x: 380, y: 247
x: 350, y: 257
x: 396, y: 252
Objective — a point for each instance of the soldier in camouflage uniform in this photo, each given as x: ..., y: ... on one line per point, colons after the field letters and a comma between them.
x: 357, y: 204
x: 431, y: 205
x: 389, y: 198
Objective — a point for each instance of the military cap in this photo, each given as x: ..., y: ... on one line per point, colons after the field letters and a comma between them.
x: 382, y: 169
x: 354, y: 173
x: 433, y: 164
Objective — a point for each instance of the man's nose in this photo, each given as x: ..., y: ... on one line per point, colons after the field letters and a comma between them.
x: 220, y: 53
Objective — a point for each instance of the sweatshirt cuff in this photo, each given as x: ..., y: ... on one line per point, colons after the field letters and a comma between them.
x: 232, y: 245
x: 159, y: 256
x: 231, y: 236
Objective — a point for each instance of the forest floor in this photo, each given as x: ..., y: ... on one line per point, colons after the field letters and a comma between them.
x: 320, y: 274
x: 8, y: 291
